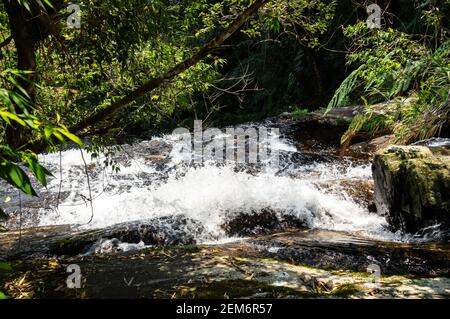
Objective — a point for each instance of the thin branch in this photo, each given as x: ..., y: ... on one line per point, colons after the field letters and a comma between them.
x: 6, y: 42
x: 103, y: 114
x: 89, y: 187
x: 181, y: 67
x: 20, y: 219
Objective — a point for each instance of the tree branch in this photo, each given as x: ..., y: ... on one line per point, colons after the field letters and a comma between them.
x: 181, y: 67
x: 6, y: 42
x: 103, y: 114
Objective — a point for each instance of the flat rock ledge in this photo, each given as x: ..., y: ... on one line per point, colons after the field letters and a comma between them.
x: 308, y: 264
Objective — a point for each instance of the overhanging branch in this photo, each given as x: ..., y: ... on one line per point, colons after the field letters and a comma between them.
x: 103, y: 114
x: 181, y: 67
x: 6, y: 42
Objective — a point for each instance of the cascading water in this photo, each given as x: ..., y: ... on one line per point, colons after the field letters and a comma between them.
x: 157, y: 180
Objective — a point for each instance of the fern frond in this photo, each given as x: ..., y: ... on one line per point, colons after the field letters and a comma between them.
x: 347, y: 86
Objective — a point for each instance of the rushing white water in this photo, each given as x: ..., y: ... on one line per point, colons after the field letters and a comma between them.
x: 156, y: 181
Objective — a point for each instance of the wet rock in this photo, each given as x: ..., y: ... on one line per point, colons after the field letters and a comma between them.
x: 435, y: 142
x: 319, y: 137
x: 261, y: 222
x: 155, y: 150
x: 372, y: 207
x: 70, y: 241
x: 436, y: 233
x: 171, y: 230
x: 412, y: 186
x: 337, y: 250
x: 167, y: 230
x: 164, y: 231
x: 341, y: 116
x: 105, y: 246
x: 366, y: 149
x: 319, y: 131
x: 237, y: 270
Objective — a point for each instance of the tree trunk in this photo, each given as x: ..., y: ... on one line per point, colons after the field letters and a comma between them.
x: 28, y: 28
x: 19, y: 21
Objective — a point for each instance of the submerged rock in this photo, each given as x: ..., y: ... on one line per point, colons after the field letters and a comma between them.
x: 412, y: 186
x: 68, y: 240
x: 265, y: 221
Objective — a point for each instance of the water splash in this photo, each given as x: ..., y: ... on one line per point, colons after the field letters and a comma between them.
x: 156, y: 179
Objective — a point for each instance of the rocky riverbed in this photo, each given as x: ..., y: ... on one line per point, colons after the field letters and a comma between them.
x: 290, y: 265
x: 162, y: 227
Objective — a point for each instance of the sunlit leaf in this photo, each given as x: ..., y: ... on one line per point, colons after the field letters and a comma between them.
x: 38, y: 170
x: 70, y: 136
x: 16, y: 177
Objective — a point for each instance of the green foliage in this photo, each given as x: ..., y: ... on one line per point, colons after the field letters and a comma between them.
x: 123, y: 44
x: 41, y: 3
x: 4, y: 268
x: 16, y: 165
x: 305, y: 19
x: 375, y: 119
x: 134, y: 42
x: 299, y: 113
x: 391, y: 64
x: 342, y: 95
x: 273, y: 53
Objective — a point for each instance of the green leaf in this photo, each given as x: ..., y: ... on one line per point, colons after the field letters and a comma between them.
x: 58, y: 136
x: 5, y: 267
x: 7, y: 116
x: 70, y: 136
x: 14, y: 175
x: 48, y: 132
x: 38, y: 170
x: 3, y: 215
x: 2, y: 295
x: 8, y: 151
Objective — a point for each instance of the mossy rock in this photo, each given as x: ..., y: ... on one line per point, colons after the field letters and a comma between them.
x: 412, y: 186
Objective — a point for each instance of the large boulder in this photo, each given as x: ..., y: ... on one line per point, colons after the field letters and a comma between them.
x: 412, y: 186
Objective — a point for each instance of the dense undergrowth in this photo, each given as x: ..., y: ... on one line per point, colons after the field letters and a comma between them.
x: 411, y: 78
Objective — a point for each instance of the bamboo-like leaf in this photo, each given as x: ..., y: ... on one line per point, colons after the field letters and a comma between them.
x: 14, y: 175
x: 38, y: 170
x: 70, y: 136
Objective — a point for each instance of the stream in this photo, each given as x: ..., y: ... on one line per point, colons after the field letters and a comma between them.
x: 169, y: 221
x: 158, y: 178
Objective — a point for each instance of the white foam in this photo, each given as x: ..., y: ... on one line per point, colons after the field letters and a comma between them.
x: 209, y: 193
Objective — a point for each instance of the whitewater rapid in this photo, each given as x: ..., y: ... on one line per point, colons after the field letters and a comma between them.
x: 149, y: 186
